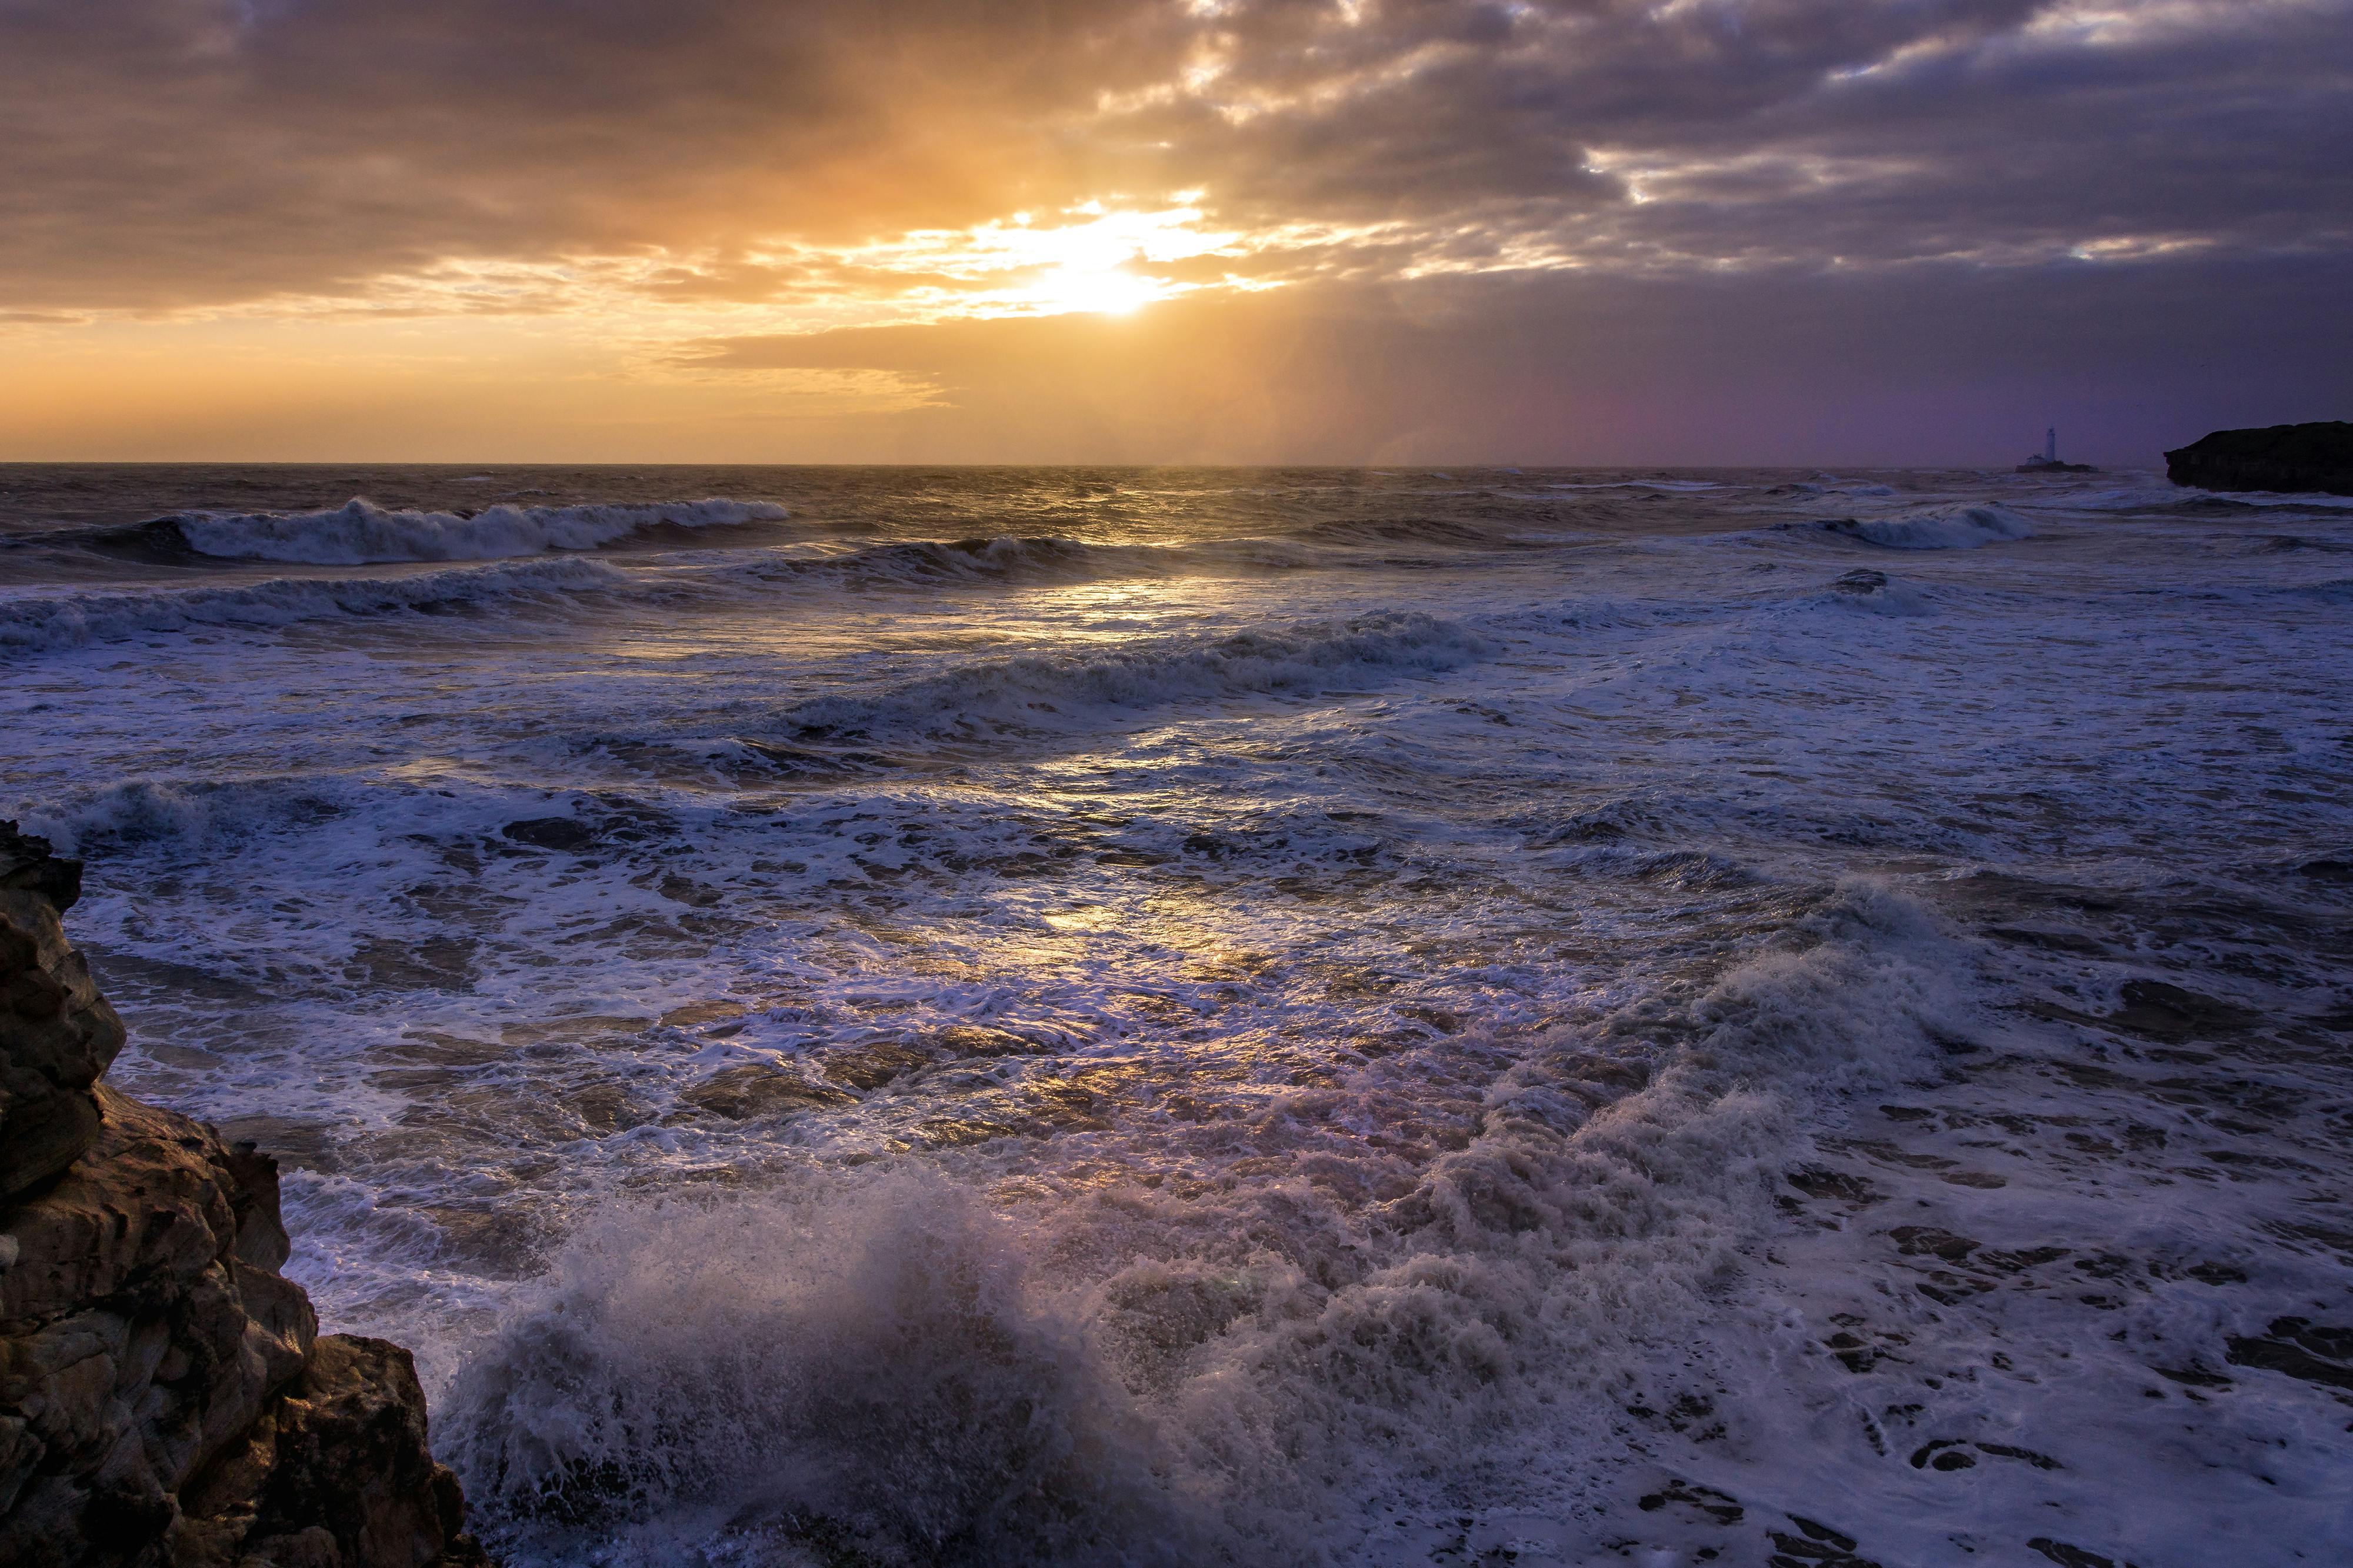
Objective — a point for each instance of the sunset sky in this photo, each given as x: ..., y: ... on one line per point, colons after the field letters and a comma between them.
x: 1599, y: 231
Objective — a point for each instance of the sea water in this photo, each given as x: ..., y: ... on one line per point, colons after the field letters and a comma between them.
x: 1187, y: 1016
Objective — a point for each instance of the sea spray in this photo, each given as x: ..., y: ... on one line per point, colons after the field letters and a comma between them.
x: 874, y: 1361
x: 853, y: 1364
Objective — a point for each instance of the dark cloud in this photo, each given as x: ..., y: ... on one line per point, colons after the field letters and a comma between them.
x: 1569, y: 231
x: 166, y: 151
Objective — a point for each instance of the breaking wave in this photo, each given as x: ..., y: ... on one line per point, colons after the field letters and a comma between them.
x: 878, y: 1368
x: 1942, y: 528
x: 360, y: 534
x: 1054, y: 692
x: 863, y: 1368
x: 69, y: 620
x: 1045, y: 558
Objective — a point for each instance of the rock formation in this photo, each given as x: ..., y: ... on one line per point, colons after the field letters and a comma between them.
x: 165, y: 1399
x: 2308, y: 457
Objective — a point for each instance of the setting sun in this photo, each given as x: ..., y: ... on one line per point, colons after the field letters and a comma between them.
x: 1110, y: 291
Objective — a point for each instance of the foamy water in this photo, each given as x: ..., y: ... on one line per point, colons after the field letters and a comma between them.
x: 1008, y: 1017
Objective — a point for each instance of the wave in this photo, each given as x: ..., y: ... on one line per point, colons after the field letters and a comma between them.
x: 2188, y: 500
x: 1057, y: 692
x: 876, y: 1366
x: 2289, y: 543
x: 1828, y: 487
x: 1461, y: 535
x: 69, y: 620
x: 1939, y: 528
x: 360, y: 534
x: 860, y: 1364
x: 1672, y: 486
x: 1048, y: 558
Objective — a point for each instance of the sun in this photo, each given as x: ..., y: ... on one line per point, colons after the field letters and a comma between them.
x: 1103, y: 291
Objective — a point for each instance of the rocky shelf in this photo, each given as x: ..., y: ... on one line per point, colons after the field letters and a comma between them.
x: 166, y: 1400
x: 2317, y: 458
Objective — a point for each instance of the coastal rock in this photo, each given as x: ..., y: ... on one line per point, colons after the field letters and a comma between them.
x: 2306, y: 458
x: 60, y: 1034
x: 166, y: 1401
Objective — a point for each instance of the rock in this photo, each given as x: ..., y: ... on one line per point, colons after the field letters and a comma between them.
x: 164, y: 1399
x: 558, y: 832
x: 338, y: 1472
x: 1921, y: 1241
x: 2299, y: 1348
x: 59, y: 1034
x: 2315, y: 457
x: 2163, y: 1012
x: 756, y: 1088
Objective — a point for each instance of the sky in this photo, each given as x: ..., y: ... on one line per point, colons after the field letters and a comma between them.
x: 1686, y: 232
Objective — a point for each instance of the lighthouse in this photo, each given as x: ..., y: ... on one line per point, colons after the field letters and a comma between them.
x: 2047, y: 461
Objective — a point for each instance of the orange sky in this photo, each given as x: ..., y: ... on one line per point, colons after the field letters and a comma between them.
x: 1696, y: 230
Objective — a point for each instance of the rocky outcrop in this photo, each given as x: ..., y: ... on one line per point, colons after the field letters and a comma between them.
x: 165, y: 1399
x: 60, y: 1033
x: 2306, y: 457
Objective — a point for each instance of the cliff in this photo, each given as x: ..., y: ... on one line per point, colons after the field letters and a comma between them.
x: 2309, y: 458
x: 165, y: 1398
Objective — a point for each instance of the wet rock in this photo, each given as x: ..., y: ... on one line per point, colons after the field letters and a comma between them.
x: 2163, y: 1012
x: 1721, y: 1506
x: 977, y: 1040
x: 2313, y: 457
x: 1821, y: 1182
x: 870, y: 1067
x: 2021, y: 1261
x: 563, y: 834
x: 2192, y: 1376
x: 1855, y: 1355
x: 161, y: 1385
x: 56, y: 1033
x: 1944, y: 1454
x: 756, y: 1088
x: 1814, y: 1545
x: 2299, y: 1348
x: 2068, y: 1556
x: 2026, y: 1456
x: 338, y: 1472
x: 1921, y: 1241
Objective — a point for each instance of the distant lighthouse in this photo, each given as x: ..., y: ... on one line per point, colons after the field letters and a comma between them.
x: 2047, y: 461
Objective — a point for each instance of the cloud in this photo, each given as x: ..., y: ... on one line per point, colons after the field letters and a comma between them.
x: 163, y: 153
x: 1350, y: 229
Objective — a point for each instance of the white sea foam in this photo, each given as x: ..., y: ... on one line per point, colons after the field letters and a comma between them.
x: 360, y: 532
x: 879, y: 1363
x: 1324, y: 1101
x: 36, y: 622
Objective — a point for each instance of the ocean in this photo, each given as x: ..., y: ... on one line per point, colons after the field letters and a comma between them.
x: 1007, y: 1016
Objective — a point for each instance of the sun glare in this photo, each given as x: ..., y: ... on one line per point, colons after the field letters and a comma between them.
x: 1110, y: 291
x: 1086, y: 259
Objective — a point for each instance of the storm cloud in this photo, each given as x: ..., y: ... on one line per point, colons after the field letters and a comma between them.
x: 531, y: 157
